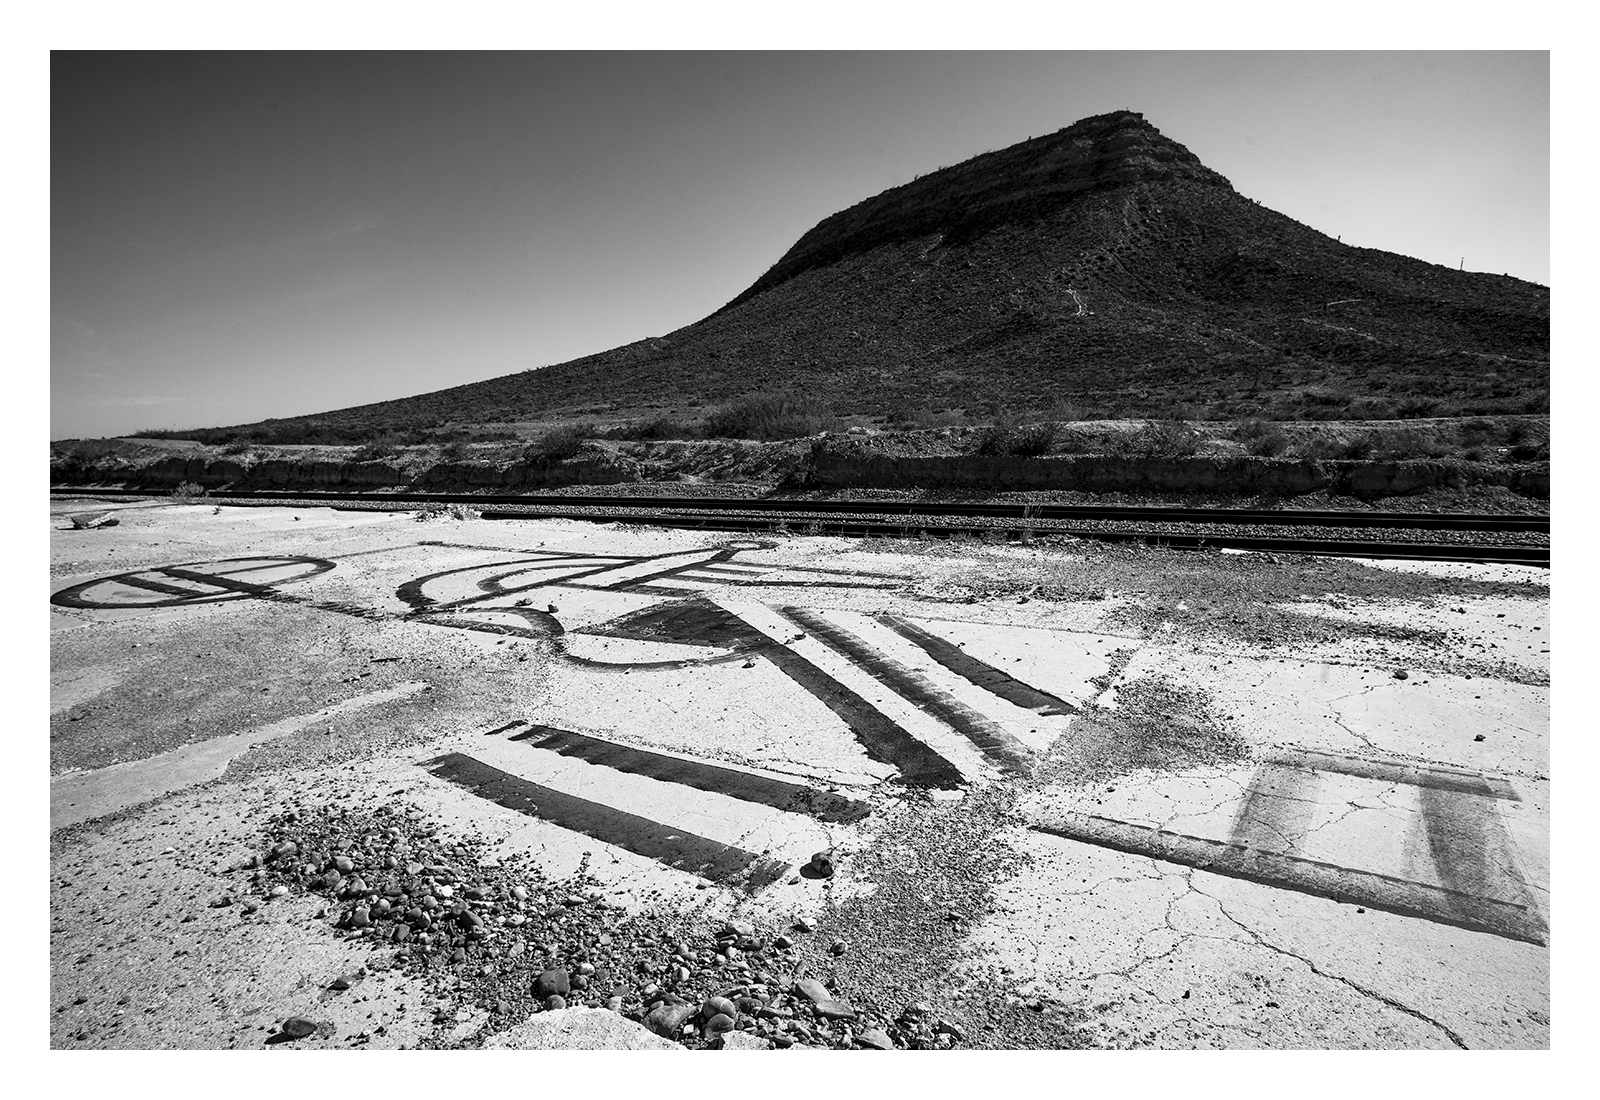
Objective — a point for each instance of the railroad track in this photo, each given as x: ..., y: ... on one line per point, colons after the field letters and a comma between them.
x: 1224, y: 528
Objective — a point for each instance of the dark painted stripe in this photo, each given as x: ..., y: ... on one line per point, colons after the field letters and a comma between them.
x: 705, y: 623
x: 411, y: 591
x: 732, y: 570
x: 782, y: 795
x: 502, y: 729
x: 661, y: 590
x: 981, y: 673
x: 515, y: 550
x: 216, y: 580
x: 883, y: 739
x: 990, y: 737
x: 1511, y: 920
x: 1459, y: 780
x: 1277, y: 809
x: 159, y: 586
x: 709, y: 859
x: 672, y: 571
x: 814, y: 584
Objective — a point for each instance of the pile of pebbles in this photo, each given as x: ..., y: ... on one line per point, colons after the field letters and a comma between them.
x: 502, y: 937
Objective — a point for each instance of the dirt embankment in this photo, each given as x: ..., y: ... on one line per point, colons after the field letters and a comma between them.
x: 825, y: 462
x: 1196, y: 474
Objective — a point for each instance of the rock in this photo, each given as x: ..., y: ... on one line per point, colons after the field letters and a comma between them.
x: 341, y: 983
x: 950, y: 1028
x: 88, y: 521
x: 1401, y: 674
x: 298, y: 1027
x: 737, y: 929
x: 803, y: 925
x: 668, y: 1020
x: 586, y: 968
x: 520, y: 893
x: 813, y: 990
x: 876, y: 1039
x: 614, y: 1004
x: 718, y: 1006
x: 578, y: 1029
x: 343, y: 864
x: 783, y: 943
x: 916, y: 1009
x: 278, y: 891
x: 284, y: 850
x: 552, y: 982
x: 821, y: 864
x: 719, y: 1025
x: 838, y: 947
x: 1477, y: 737
x: 554, y: 1002
x: 743, y: 1040
x: 835, y: 1010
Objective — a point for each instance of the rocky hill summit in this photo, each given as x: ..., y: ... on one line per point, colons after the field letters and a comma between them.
x: 1099, y: 271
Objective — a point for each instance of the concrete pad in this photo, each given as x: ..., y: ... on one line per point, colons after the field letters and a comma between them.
x: 790, y: 837
x: 727, y: 712
x: 82, y: 796
x: 1061, y: 661
x: 1488, y: 629
x: 1163, y: 955
x: 925, y: 728
x: 578, y: 1029
x: 1350, y: 709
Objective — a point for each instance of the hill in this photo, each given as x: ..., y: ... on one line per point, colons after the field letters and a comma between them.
x: 1100, y: 271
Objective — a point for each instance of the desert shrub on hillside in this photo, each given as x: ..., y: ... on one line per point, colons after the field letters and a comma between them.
x: 662, y: 426
x: 1007, y: 437
x: 188, y: 491
x: 1158, y: 438
x: 385, y: 446
x: 1262, y: 438
x: 558, y: 443
x: 1416, y: 408
x: 770, y: 416
x: 1035, y: 439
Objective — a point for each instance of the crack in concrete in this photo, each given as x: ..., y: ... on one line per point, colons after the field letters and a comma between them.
x: 1373, y: 994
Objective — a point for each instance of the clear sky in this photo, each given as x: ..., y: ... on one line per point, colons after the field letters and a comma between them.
x: 238, y: 236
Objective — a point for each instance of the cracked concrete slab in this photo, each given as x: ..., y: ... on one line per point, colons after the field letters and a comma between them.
x: 1195, y: 932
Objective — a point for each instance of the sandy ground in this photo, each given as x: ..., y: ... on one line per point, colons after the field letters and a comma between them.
x: 1107, y: 796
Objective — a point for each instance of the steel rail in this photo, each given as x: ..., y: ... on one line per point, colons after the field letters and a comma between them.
x: 1019, y: 510
x: 924, y: 524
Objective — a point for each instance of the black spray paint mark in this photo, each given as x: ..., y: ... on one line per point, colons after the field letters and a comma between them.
x: 994, y: 741
x: 743, y: 785
x: 1397, y: 770
x: 1512, y: 920
x: 704, y: 623
x: 205, y: 583
x: 1277, y: 809
x: 993, y: 680
x: 710, y: 859
x: 1471, y: 851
